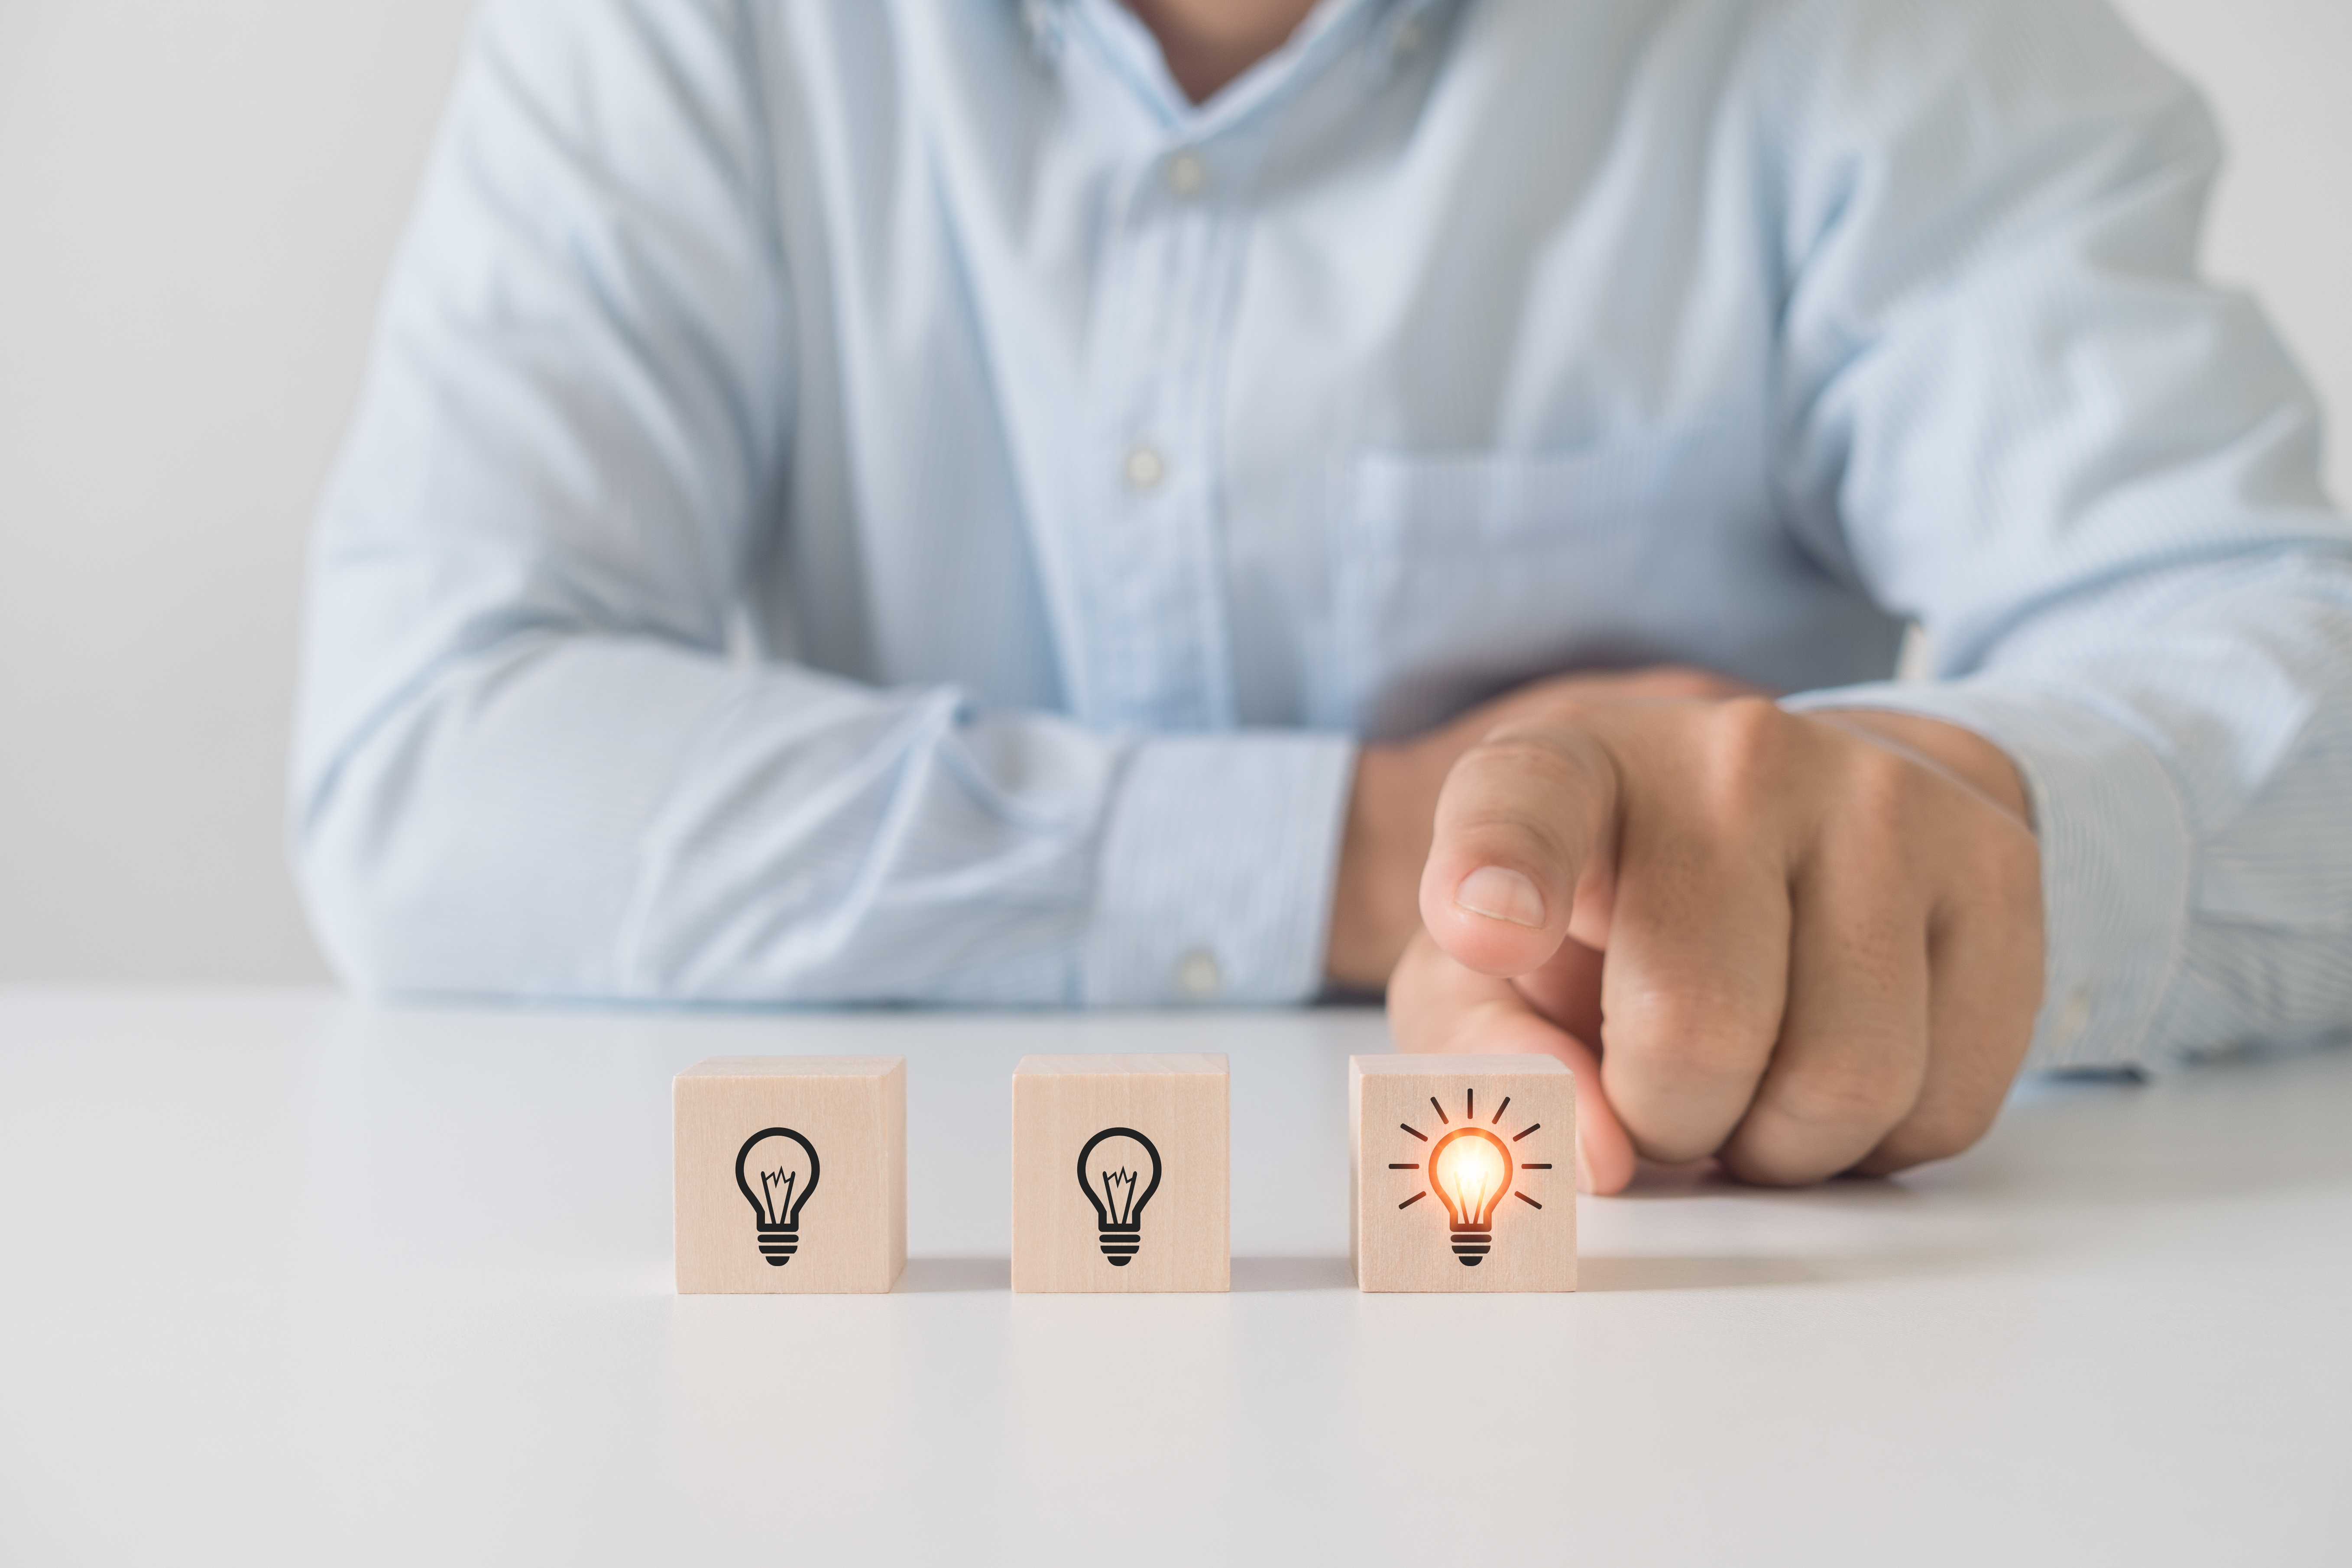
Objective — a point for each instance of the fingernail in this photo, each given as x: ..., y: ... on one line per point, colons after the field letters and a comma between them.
x: 1501, y: 895
x: 1583, y: 1171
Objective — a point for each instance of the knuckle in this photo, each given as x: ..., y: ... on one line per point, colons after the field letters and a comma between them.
x: 1684, y: 680
x: 2011, y: 860
x: 1995, y: 892
x: 1681, y: 1063
x: 1771, y: 1169
x: 1880, y: 788
x: 1527, y: 780
x: 1934, y: 1134
x: 1526, y: 842
x: 1684, y: 1045
x: 1748, y: 753
x: 1668, y: 1147
x: 1750, y: 730
x: 1520, y: 750
x: 1843, y: 1099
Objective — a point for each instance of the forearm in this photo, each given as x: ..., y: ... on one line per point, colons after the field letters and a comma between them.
x: 609, y: 818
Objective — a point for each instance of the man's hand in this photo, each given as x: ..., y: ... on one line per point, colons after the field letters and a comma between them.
x: 1802, y: 944
x: 1375, y: 909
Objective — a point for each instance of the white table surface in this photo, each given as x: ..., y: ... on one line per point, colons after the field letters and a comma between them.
x: 289, y: 1279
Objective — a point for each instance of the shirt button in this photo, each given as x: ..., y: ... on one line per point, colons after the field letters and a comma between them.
x: 1144, y: 469
x: 1407, y: 39
x: 2073, y: 1017
x: 1197, y: 974
x: 1187, y: 175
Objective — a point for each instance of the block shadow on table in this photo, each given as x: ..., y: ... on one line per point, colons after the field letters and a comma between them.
x: 1293, y: 1274
x: 954, y: 1276
x: 969, y: 1276
x: 947, y: 1276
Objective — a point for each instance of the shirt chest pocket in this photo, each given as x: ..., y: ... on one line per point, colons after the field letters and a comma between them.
x: 1457, y: 577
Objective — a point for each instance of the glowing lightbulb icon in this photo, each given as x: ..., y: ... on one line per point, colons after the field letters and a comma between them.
x: 777, y: 1170
x: 1115, y: 1183
x: 1470, y: 1169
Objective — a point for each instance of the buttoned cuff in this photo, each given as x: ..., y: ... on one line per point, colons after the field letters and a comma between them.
x: 2116, y: 859
x: 1214, y: 881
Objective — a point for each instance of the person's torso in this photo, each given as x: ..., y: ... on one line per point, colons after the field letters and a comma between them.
x: 1437, y: 355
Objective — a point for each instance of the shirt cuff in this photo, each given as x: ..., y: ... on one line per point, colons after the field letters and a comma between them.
x: 2116, y: 860
x: 1214, y: 877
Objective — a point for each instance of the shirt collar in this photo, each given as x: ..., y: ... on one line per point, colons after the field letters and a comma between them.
x: 1393, y: 30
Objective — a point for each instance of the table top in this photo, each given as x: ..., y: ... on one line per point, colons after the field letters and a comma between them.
x: 288, y: 1279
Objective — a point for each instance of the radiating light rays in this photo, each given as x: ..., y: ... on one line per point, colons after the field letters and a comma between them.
x: 1470, y: 1169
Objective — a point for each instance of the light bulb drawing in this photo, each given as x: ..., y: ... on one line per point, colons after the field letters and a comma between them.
x: 1471, y: 1169
x: 1119, y: 1180
x: 777, y: 1171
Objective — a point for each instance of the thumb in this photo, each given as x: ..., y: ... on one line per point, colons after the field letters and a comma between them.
x: 1523, y: 818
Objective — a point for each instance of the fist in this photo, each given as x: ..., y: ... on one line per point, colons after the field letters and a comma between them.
x: 1801, y: 943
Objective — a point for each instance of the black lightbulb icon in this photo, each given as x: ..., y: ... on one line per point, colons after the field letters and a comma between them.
x: 1112, y: 1188
x: 777, y: 1170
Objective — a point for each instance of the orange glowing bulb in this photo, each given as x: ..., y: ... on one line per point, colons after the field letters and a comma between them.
x: 1470, y: 1169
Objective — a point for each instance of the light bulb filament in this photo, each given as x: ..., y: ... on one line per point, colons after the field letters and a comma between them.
x: 776, y: 1187
x: 1119, y: 1197
x: 1470, y: 1192
x: 1470, y: 1168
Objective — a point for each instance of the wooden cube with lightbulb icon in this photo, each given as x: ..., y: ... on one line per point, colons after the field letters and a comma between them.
x: 791, y: 1175
x: 1121, y: 1173
x: 1462, y: 1174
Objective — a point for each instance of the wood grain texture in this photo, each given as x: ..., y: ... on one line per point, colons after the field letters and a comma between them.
x: 851, y: 1231
x: 1512, y: 1117
x: 1181, y: 1238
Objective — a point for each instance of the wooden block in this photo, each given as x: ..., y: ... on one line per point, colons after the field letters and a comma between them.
x: 1463, y: 1176
x: 790, y: 1174
x: 1121, y: 1174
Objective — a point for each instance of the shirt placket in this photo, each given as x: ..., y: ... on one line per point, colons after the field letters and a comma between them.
x: 1168, y: 272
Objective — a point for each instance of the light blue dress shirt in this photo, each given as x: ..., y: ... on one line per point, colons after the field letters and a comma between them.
x: 884, y: 500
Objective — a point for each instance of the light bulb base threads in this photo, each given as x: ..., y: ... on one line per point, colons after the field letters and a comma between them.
x: 1122, y: 1242
x: 1472, y: 1243
x: 778, y: 1243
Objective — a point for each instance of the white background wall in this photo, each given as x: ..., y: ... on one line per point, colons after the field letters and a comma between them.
x: 197, y: 198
